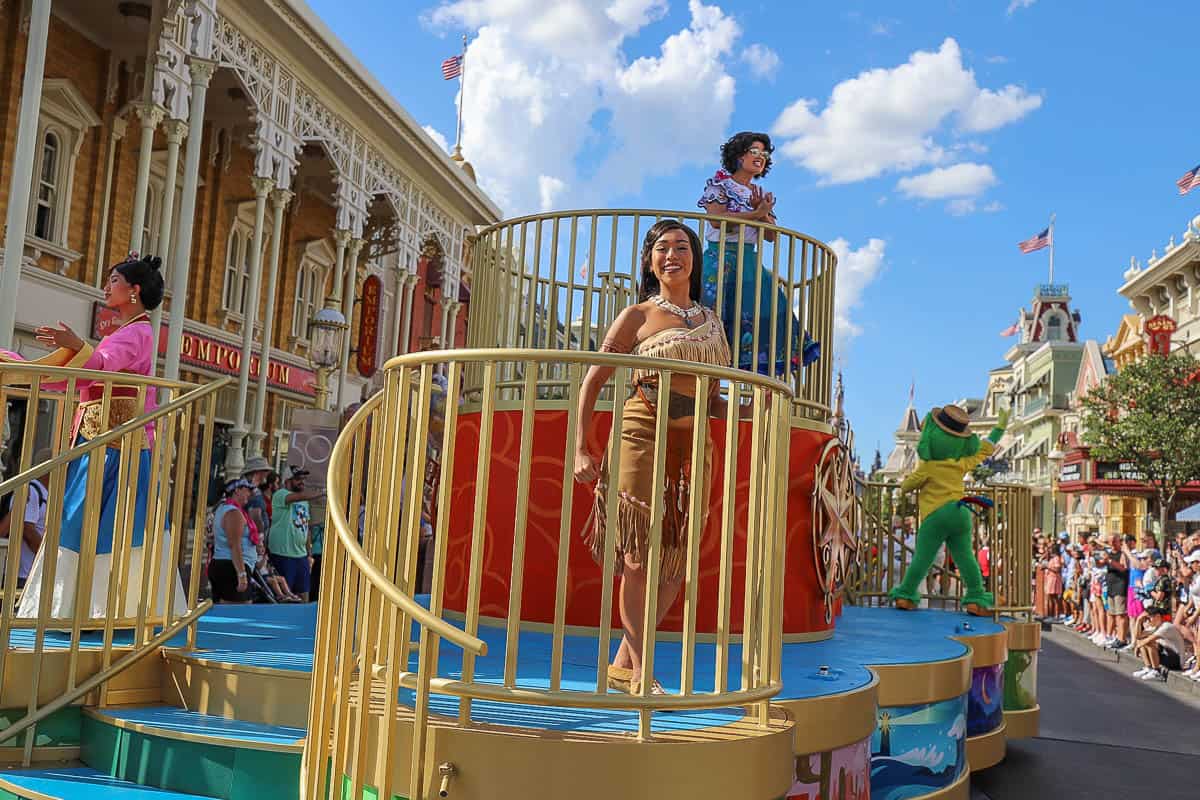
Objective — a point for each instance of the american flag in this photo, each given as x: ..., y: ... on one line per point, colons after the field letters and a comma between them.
x: 452, y: 67
x: 1011, y: 330
x: 1035, y: 242
x: 1190, y: 180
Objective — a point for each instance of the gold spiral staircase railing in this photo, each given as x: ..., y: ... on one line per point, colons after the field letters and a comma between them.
x: 557, y: 280
x: 884, y: 554
x: 378, y: 654
x: 51, y: 660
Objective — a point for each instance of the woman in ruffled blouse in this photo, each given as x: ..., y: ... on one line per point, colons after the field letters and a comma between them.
x: 732, y: 193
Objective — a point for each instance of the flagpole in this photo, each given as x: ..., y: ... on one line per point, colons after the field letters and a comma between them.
x: 1051, y: 249
x: 462, y: 88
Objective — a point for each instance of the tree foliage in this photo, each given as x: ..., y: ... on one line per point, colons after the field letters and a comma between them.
x: 1148, y: 414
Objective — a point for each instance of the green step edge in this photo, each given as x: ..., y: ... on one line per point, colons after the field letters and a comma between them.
x: 60, y: 729
x: 224, y: 772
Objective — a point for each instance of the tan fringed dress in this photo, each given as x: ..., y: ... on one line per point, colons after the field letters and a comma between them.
x: 703, y: 344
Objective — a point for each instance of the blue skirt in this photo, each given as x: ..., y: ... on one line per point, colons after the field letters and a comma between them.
x: 757, y: 301
x: 75, y: 500
x: 69, y: 559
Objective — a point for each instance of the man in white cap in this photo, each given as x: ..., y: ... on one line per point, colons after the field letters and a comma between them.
x: 255, y: 473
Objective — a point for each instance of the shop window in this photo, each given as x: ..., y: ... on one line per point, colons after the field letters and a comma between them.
x: 316, y: 263
x: 233, y: 298
x: 64, y: 120
x: 47, y: 188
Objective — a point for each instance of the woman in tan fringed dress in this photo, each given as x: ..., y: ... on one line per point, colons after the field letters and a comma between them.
x: 667, y: 323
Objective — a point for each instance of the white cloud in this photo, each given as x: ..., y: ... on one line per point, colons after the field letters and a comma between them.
x: 929, y: 757
x: 1016, y: 5
x: 996, y: 59
x: 549, y: 190
x: 633, y: 14
x: 990, y: 110
x: 891, y: 120
x: 960, y: 180
x: 856, y: 270
x: 437, y: 137
x: 544, y: 81
x: 763, y: 61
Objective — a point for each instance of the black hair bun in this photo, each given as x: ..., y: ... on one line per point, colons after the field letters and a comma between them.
x: 146, y: 273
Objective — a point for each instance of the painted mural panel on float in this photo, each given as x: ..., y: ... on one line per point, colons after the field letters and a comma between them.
x: 844, y: 774
x: 918, y: 749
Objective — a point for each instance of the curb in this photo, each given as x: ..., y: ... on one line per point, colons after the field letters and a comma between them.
x: 1079, y: 644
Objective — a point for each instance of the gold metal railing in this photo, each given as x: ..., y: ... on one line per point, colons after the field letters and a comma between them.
x: 141, y: 603
x: 365, y: 640
x: 884, y: 553
x: 558, y: 280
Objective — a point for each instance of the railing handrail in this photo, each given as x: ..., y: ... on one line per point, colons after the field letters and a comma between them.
x: 126, y: 378
x: 349, y: 540
x: 116, y: 433
x: 650, y: 212
x: 126, y: 661
x: 615, y: 360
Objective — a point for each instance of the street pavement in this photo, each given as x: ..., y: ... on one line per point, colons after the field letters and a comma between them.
x: 1104, y: 734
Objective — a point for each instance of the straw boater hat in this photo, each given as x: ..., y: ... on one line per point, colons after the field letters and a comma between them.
x: 953, y: 420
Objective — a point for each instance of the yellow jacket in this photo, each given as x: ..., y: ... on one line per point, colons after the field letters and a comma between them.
x: 941, y: 482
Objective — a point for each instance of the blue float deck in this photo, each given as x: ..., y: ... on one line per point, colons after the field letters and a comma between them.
x: 282, y: 637
x: 70, y: 783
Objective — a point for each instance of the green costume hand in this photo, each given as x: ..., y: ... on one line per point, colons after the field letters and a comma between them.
x: 1002, y: 418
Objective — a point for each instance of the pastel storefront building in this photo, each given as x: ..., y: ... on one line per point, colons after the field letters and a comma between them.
x: 1044, y: 365
x: 252, y: 151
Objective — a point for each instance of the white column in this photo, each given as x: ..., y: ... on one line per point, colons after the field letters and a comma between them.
x: 151, y: 115
x: 455, y: 307
x: 394, y: 347
x: 202, y: 72
x: 119, y: 126
x: 20, y: 176
x: 410, y: 289
x: 175, y: 129
x: 235, y: 457
x: 348, y: 312
x: 445, y: 304
x: 279, y: 201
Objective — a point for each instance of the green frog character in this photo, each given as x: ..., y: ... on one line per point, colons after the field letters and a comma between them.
x: 948, y: 451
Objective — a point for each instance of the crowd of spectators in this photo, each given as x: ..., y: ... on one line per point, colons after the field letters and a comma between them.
x: 1125, y: 595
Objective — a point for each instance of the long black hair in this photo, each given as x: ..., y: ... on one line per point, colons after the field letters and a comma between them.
x: 739, y: 144
x: 146, y: 274
x: 650, y: 285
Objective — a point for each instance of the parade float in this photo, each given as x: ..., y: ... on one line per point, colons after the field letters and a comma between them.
x: 786, y: 673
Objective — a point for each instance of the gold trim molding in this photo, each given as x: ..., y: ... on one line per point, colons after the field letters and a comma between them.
x: 987, y: 650
x: 833, y: 721
x: 987, y: 749
x: 1024, y: 635
x: 1023, y: 724
x: 926, y: 682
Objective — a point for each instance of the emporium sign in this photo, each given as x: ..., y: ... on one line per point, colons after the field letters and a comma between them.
x: 211, y: 354
x: 368, y: 326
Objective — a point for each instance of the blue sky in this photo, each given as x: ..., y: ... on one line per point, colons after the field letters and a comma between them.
x: 927, y: 174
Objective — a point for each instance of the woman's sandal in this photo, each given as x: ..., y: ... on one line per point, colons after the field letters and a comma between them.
x: 625, y: 680
x: 620, y: 679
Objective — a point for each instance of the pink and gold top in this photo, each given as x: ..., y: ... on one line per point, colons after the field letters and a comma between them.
x: 129, y: 350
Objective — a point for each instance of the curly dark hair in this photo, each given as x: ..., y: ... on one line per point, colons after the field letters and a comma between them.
x: 145, y: 273
x: 739, y: 144
x: 650, y: 285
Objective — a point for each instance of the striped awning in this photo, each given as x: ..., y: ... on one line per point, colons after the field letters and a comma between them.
x: 1034, y: 448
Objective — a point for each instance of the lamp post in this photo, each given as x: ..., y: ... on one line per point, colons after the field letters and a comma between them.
x: 325, y: 331
x: 1055, y: 457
